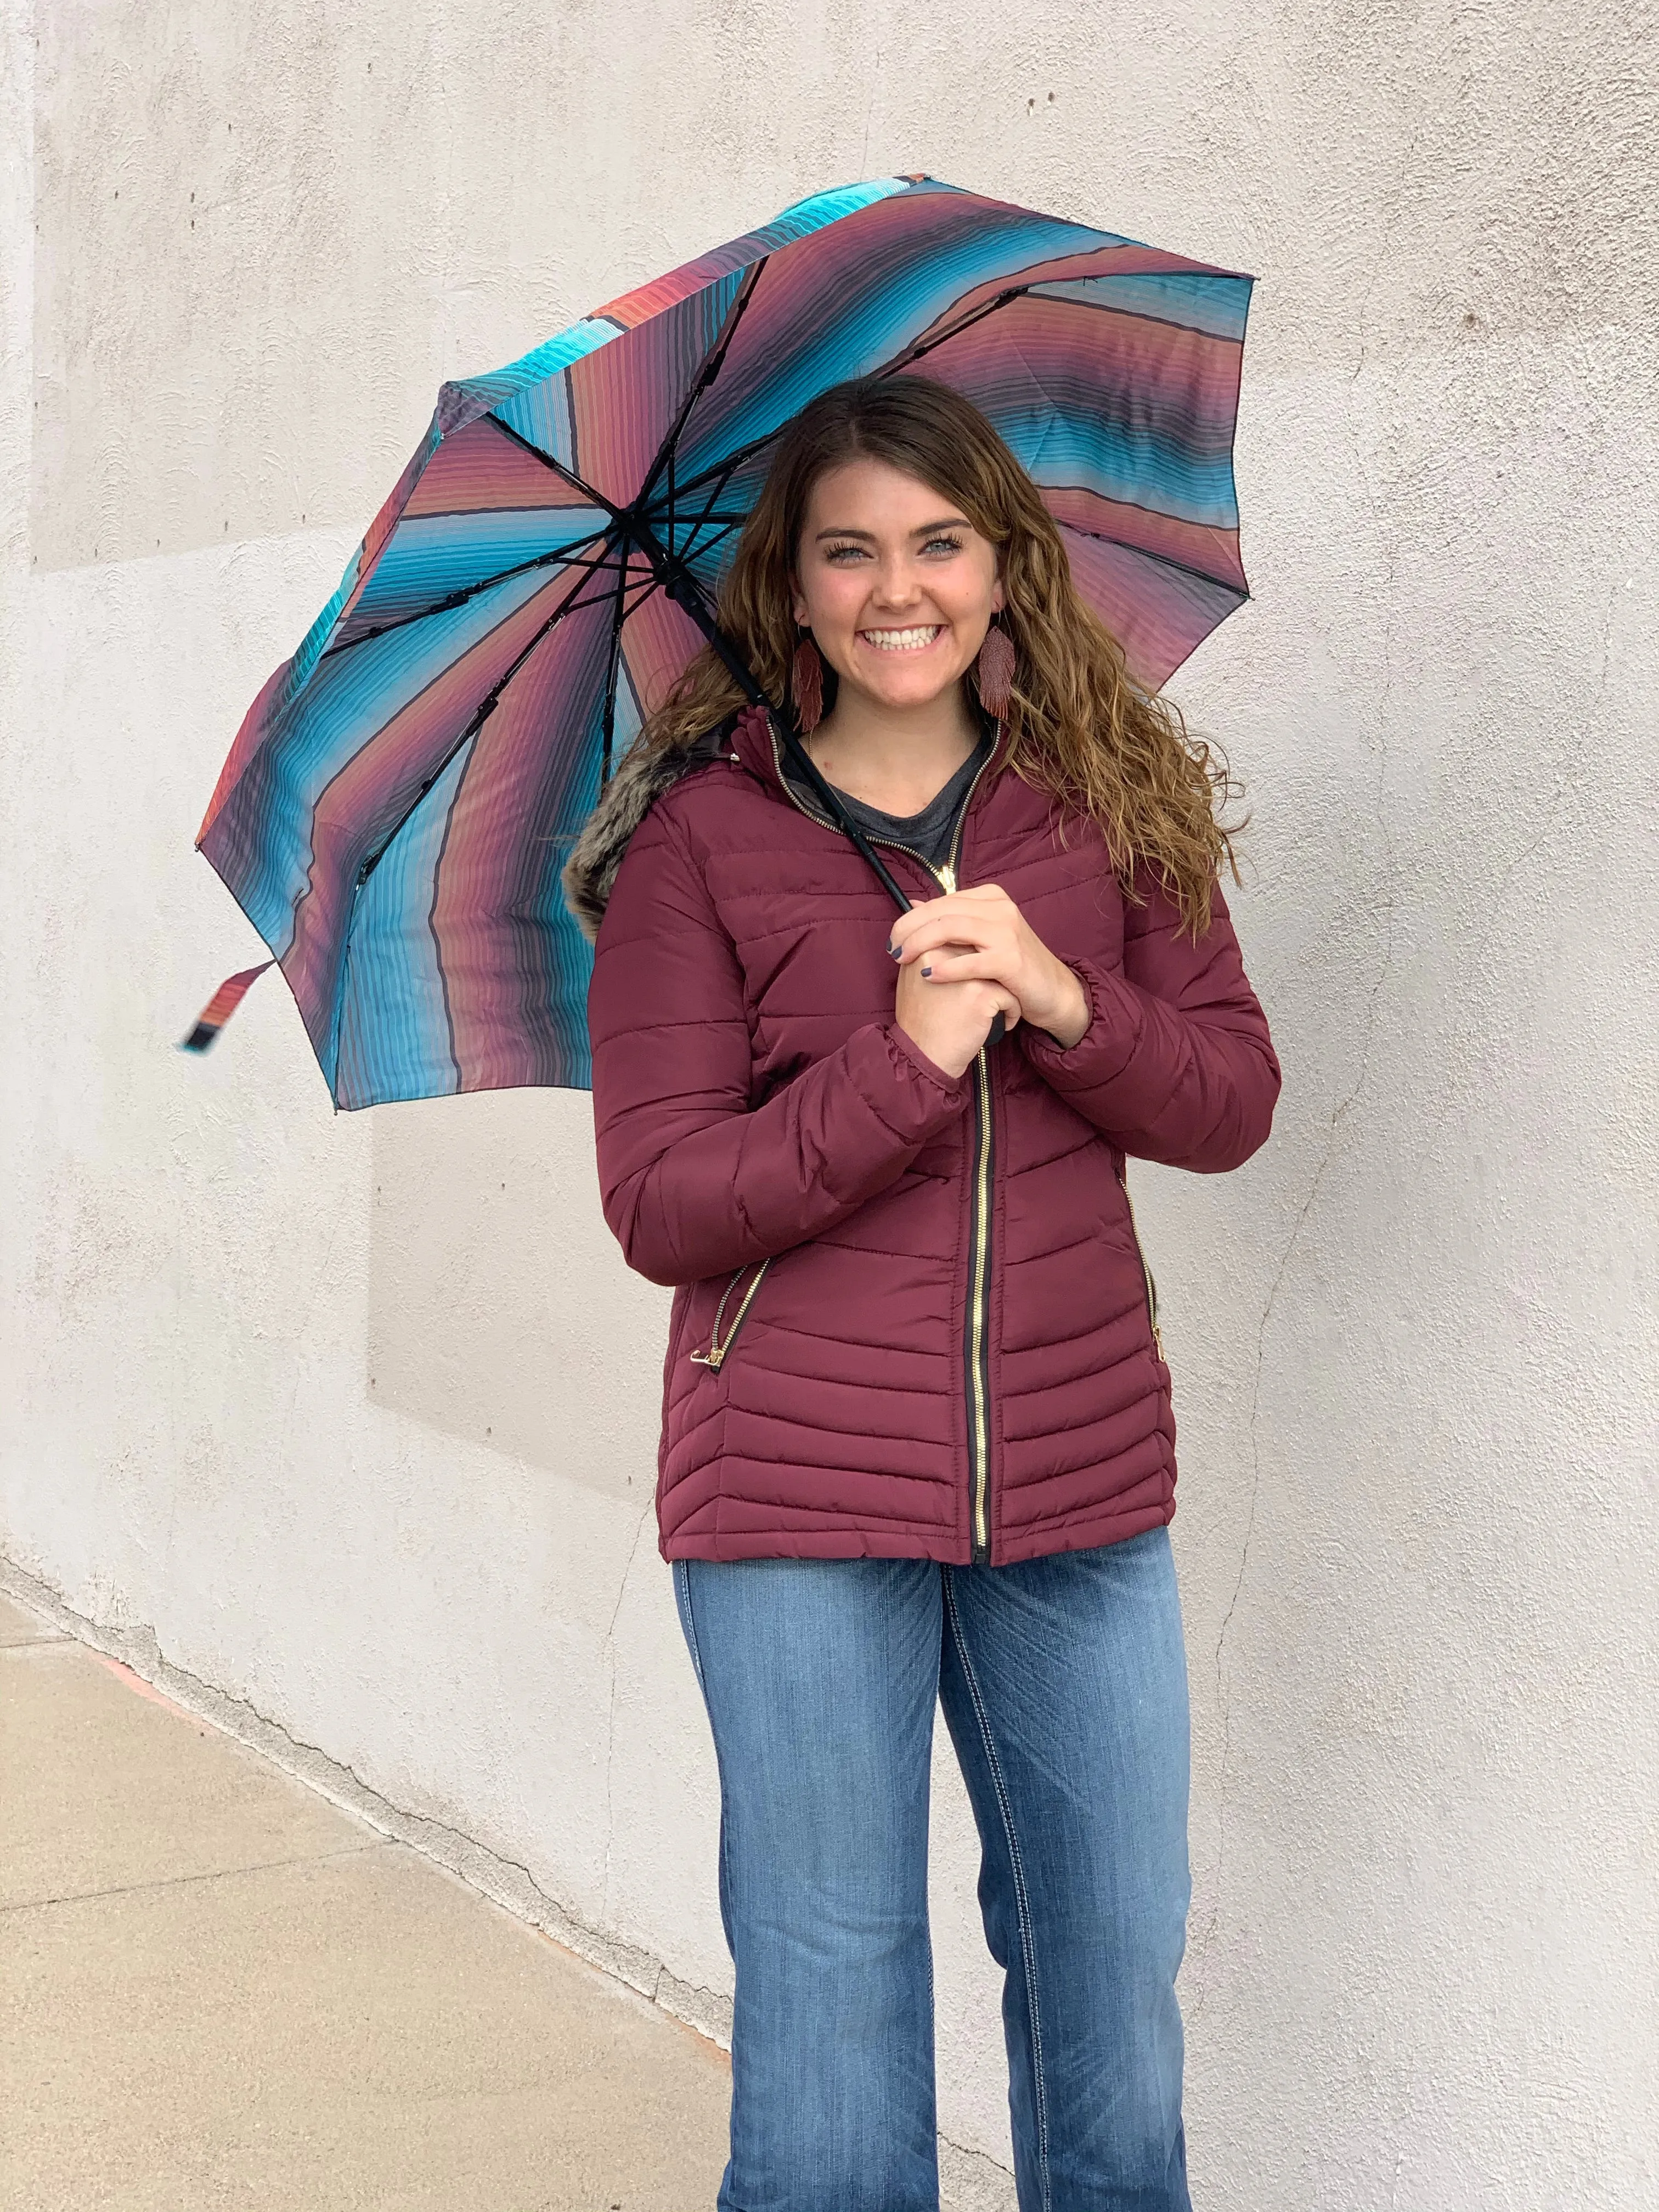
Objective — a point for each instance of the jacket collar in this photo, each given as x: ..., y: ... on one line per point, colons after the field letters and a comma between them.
x: 644, y: 775
x: 752, y: 741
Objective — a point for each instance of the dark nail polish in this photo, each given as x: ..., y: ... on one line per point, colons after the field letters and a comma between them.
x: 927, y: 971
x: 892, y: 952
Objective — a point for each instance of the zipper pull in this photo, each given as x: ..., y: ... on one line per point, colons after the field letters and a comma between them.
x: 947, y: 876
x: 711, y: 1357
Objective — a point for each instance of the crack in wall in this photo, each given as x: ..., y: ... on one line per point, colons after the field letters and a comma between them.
x: 1201, y: 1947
x: 1569, y: 773
x: 608, y: 1649
x: 1385, y: 907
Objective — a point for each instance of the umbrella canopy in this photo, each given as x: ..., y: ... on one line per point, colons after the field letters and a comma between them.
x: 404, y: 791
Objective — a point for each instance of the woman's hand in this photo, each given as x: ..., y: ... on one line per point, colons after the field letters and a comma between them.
x: 949, y: 1022
x: 978, y: 942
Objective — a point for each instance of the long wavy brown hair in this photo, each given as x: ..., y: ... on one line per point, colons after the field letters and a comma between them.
x: 1079, y: 726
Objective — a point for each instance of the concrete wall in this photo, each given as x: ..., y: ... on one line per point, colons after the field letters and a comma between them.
x: 354, y: 1417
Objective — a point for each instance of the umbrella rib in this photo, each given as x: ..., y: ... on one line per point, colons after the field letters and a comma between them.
x: 558, y: 468
x: 723, y: 471
x: 1146, y: 553
x: 726, y: 527
x: 679, y: 556
x: 713, y: 361
x: 926, y: 345
x: 643, y: 587
x: 568, y: 555
x: 476, y: 722
x: 610, y: 724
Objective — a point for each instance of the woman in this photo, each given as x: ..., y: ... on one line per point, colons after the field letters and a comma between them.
x: 917, y: 1440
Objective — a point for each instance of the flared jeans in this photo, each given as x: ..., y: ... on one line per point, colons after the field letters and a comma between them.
x: 1063, y: 1682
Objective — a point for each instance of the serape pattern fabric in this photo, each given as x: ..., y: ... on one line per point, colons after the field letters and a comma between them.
x: 403, y: 793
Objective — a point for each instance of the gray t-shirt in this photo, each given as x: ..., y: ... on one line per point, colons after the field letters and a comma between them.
x: 930, y: 832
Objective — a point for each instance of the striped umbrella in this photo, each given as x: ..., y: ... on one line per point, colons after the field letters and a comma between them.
x: 404, y: 792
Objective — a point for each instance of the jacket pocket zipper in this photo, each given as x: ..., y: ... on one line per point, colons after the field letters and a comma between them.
x: 718, y: 1345
x: 1146, y: 1271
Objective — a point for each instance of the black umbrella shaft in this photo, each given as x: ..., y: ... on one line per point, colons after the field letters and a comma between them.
x: 683, y: 590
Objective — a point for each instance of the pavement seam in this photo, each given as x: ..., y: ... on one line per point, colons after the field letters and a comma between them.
x: 211, y: 1874
x: 979, y: 2180
x: 506, y: 1883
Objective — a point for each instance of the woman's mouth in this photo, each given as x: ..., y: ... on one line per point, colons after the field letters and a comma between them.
x: 915, y: 640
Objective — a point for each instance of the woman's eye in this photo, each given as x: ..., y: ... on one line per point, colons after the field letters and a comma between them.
x: 943, y: 545
x: 843, y: 553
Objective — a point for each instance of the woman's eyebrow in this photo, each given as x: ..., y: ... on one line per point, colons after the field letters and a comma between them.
x: 924, y: 530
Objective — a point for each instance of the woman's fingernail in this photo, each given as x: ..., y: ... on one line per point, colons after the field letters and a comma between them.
x: 927, y: 971
x: 893, y: 951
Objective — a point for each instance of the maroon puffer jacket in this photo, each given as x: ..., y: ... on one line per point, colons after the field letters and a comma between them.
x: 912, y: 1319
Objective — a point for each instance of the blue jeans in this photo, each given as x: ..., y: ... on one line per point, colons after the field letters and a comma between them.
x: 1064, y: 1686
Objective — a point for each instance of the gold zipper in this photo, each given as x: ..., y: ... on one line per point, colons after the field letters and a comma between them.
x: 979, y: 1303
x: 976, y: 1332
x: 717, y: 1350
x: 979, y: 1259
x: 1146, y: 1271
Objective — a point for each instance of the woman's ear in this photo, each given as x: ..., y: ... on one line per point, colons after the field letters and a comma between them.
x: 797, y: 604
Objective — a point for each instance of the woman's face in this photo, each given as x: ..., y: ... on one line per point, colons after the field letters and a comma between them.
x: 896, y: 585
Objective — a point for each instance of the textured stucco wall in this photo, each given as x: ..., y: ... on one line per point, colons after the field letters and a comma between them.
x: 357, y: 1414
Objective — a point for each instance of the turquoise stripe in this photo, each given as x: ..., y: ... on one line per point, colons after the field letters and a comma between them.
x: 865, y: 333
x: 353, y: 695
x: 434, y: 554
x: 312, y: 644
x: 572, y: 971
x: 1218, y: 306
x: 484, y: 393
x: 805, y: 216
x: 1122, y: 461
x: 394, y: 1038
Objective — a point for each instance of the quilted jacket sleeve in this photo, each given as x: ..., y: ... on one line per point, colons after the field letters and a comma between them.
x: 1177, y: 1064
x: 697, y: 1178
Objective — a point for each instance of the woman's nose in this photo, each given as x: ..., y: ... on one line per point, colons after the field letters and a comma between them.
x: 896, y: 585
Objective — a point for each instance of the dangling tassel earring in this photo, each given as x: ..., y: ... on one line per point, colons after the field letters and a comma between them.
x: 993, y: 671
x: 806, y: 682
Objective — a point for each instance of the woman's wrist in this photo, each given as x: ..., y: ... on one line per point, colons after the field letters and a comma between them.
x: 1066, y: 1015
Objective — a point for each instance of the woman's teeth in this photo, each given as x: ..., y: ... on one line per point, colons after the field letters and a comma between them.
x: 901, y: 640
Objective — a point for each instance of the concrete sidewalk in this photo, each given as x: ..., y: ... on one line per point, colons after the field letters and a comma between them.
x: 219, y: 1990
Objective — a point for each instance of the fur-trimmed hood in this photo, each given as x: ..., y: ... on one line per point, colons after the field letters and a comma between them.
x: 643, y: 775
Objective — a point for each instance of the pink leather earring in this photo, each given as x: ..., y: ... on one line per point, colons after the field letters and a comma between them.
x: 806, y: 682
x: 993, y: 671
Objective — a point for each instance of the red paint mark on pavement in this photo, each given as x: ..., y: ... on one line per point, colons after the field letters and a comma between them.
x: 145, y: 1689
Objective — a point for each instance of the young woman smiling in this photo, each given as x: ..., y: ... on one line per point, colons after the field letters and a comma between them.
x: 917, y: 1440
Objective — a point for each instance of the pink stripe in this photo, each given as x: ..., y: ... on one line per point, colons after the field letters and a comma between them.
x: 1157, y: 615
x: 480, y: 468
x: 1195, y: 545
x: 380, y: 780
x: 497, y: 858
